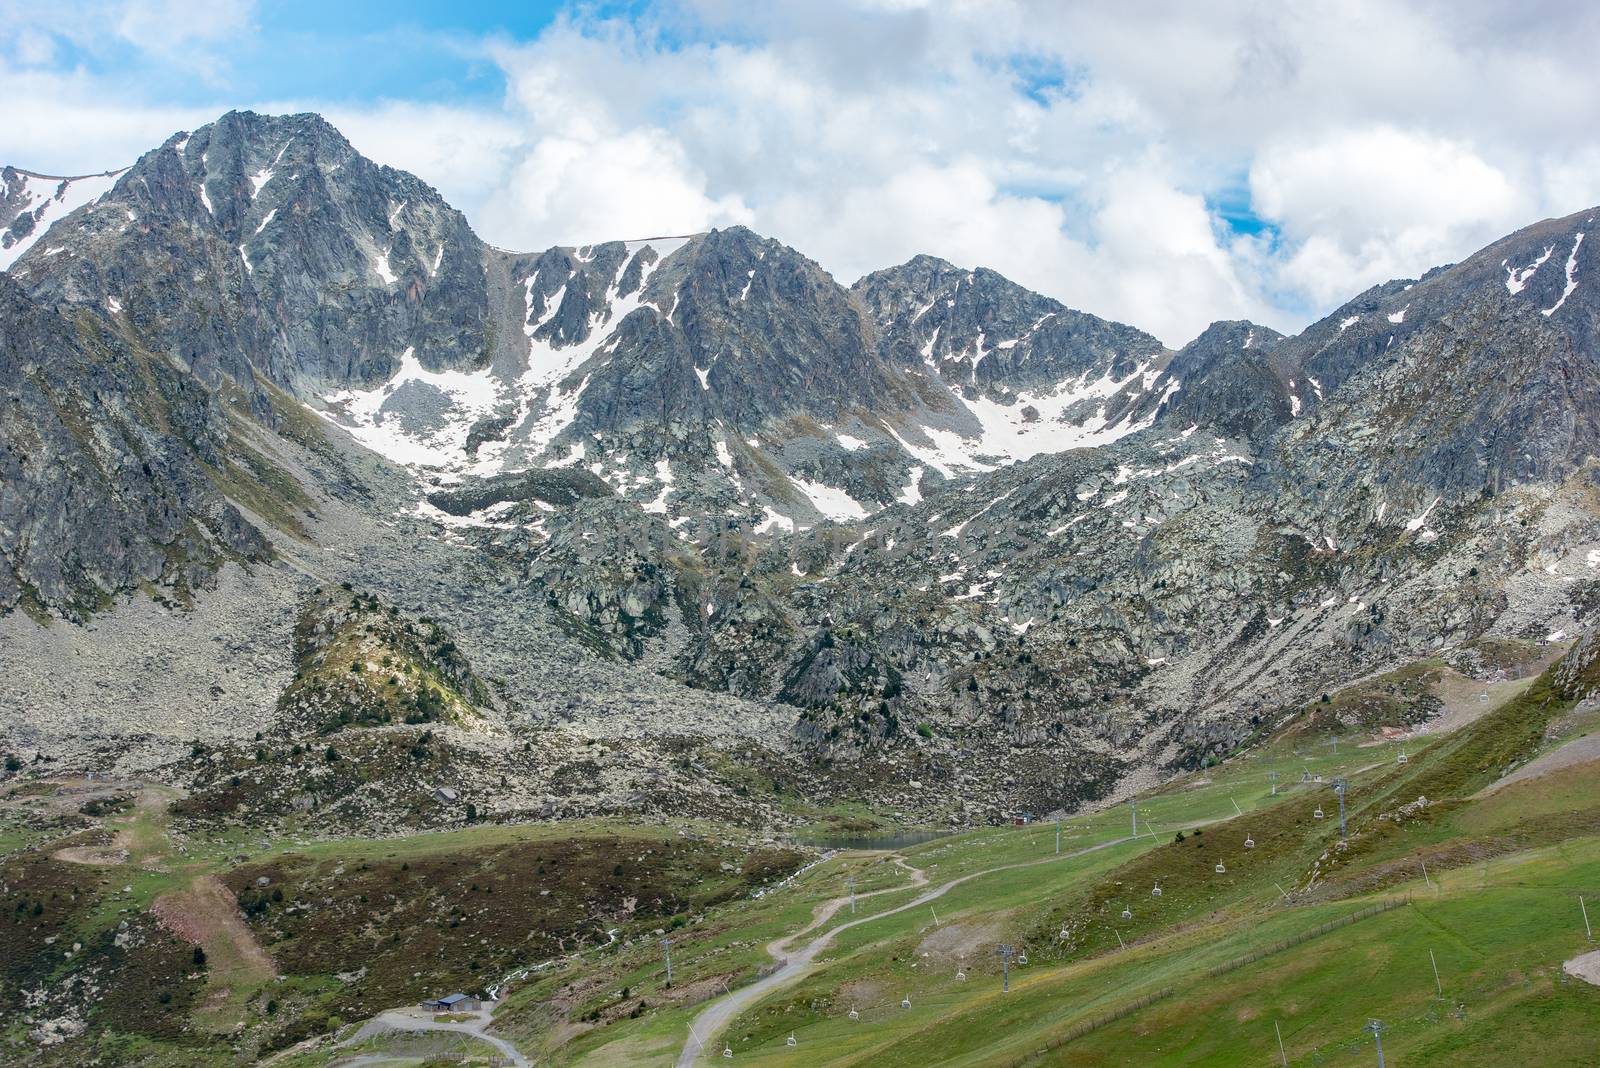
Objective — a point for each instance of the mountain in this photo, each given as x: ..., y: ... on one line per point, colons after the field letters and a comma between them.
x: 691, y: 500
x: 30, y: 202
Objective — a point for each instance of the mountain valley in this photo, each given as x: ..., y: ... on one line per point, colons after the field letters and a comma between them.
x: 341, y: 550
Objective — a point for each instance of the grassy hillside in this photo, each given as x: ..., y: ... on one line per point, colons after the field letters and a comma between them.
x: 1305, y: 930
x: 1302, y: 933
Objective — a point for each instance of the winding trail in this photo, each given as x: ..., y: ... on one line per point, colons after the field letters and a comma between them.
x: 721, y: 1011
x: 413, y: 1020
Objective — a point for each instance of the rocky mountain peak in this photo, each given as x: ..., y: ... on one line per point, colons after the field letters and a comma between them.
x: 904, y: 523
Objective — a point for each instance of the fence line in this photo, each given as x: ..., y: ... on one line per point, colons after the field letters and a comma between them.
x: 1095, y: 1023
x: 1105, y: 1019
x: 1308, y: 934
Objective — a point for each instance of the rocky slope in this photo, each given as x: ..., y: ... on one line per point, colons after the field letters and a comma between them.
x: 693, y: 497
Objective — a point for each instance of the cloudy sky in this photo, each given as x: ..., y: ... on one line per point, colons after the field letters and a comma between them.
x: 1162, y: 163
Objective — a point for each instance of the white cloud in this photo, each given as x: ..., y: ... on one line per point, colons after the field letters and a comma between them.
x: 626, y: 136
x: 166, y: 27
x: 74, y: 123
x: 1363, y: 206
x: 463, y: 152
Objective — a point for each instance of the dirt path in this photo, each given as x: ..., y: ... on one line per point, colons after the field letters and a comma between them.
x: 720, y: 1012
x: 207, y: 914
x: 1579, y: 750
x: 417, y: 1020
x: 131, y: 844
x: 1585, y: 966
x: 828, y: 909
x: 1465, y: 699
x: 203, y: 912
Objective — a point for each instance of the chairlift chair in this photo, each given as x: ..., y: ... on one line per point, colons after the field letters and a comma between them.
x: 905, y: 1002
x: 1127, y: 913
x: 791, y: 1043
x: 1220, y: 868
x: 1157, y: 891
x: 1318, y: 813
x: 1023, y: 959
x: 727, y: 1051
x: 854, y: 1015
x: 1249, y: 843
x: 1403, y: 759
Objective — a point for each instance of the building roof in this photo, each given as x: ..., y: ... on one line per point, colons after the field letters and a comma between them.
x: 452, y: 999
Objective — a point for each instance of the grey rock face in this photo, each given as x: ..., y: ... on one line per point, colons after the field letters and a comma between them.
x: 981, y: 330
x: 30, y: 202
x: 301, y: 259
x: 556, y: 486
x: 932, y: 526
x: 772, y: 334
x: 1486, y: 380
x: 1225, y: 380
x: 109, y: 463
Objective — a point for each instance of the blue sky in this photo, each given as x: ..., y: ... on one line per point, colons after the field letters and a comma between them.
x: 353, y: 51
x: 1164, y: 163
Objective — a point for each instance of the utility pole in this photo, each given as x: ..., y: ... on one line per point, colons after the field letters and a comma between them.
x: 1005, y: 953
x: 666, y: 945
x: 1339, y: 786
x: 1058, y: 836
x: 1272, y: 777
x: 1587, y: 930
x: 1376, y: 1027
x: 1437, y: 984
x: 852, y: 883
x: 1134, y: 808
x: 1281, y: 1052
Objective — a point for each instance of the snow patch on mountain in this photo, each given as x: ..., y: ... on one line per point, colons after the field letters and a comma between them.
x: 832, y: 502
x: 376, y: 420
x: 45, y: 198
x: 1572, y: 278
x: 1517, y: 278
